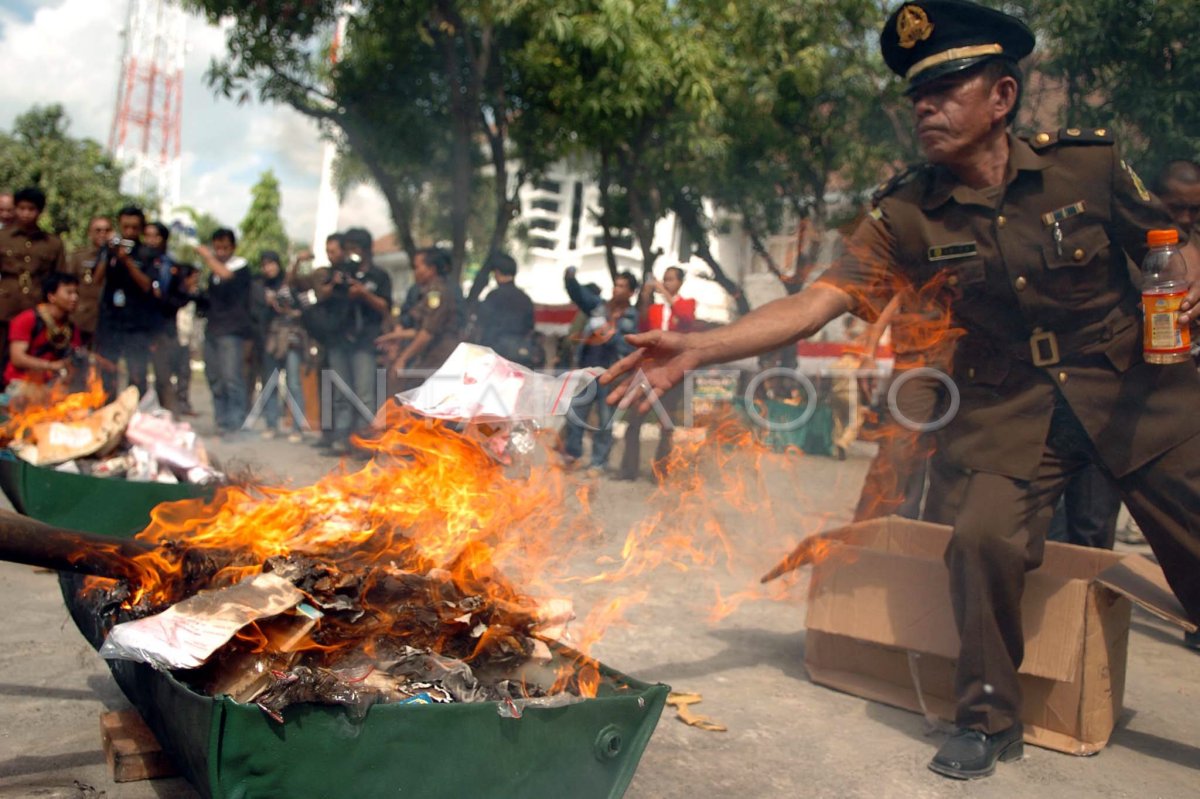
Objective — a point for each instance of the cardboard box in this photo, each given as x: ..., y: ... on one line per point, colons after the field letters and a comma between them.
x: 880, y: 626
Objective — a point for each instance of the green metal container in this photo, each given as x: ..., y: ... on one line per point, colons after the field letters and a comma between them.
x: 228, y: 750
x: 92, y: 504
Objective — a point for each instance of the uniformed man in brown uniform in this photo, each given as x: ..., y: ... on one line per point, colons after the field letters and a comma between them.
x: 434, y: 332
x: 1026, y: 243
x: 27, y: 255
x: 87, y: 264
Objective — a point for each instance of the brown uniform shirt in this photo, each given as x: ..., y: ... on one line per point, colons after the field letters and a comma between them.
x: 26, y: 258
x: 82, y: 264
x: 435, y: 313
x: 1049, y: 256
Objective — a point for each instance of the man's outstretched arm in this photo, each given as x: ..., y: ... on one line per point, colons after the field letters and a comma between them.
x: 666, y: 357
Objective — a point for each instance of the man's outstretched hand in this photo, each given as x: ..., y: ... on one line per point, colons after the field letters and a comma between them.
x: 662, y: 358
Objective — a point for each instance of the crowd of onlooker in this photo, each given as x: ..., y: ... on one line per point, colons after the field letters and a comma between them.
x: 287, y: 349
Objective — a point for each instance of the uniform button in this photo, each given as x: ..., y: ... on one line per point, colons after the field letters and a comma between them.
x: 1021, y: 283
x: 28, y: 244
x: 1042, y: 138
x: 1101, y: 131
x: 1001, y: 221
x: 1062, y: 377
x: 1072, y: 131
x: 971, y: 373
x: 27, y: 259
x: 952, y: 280
x: 1077, y: 255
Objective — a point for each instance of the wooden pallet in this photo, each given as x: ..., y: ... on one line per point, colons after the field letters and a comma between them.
x: 132, y: 751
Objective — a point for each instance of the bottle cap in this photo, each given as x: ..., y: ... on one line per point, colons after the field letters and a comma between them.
x: 1161, y: 238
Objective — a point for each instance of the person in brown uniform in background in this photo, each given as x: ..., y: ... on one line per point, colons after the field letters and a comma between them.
x: 1028, y: 243
x: 8, y: 213
x: 1179, y: 188
x: 87, y: 265
x: 434, y: 333
x: 27, y: 255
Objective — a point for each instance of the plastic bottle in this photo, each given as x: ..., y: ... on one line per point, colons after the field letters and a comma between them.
x: 1164, y: 286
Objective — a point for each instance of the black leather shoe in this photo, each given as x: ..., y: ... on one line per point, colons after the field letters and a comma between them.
x: 971, y: 754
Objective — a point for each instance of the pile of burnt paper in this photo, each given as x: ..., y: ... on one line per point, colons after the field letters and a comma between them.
x: 304, y: 630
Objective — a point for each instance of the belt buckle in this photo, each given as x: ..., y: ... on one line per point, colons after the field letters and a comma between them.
x: 1043, y: 346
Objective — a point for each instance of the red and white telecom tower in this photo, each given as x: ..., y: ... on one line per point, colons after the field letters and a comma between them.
x: 146, y: 124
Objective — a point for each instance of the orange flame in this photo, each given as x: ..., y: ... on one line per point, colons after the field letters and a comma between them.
x: 53, y: 402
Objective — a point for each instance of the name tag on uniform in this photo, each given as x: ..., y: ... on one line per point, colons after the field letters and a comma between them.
x: 951, y: 252
x: 1066, y: 212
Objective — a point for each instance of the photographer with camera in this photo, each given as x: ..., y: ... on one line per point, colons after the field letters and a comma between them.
x: 359, y: 296
x: 129, y: 314
x: 27, y: 255
x: 42, y: 339
x: 285, y: 344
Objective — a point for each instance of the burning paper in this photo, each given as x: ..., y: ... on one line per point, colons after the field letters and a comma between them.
x: 185, y: 635
x: 476, y: 384
x: 58, y: 440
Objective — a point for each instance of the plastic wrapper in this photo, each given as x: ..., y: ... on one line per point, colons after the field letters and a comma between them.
x: 168, y: 441
x: 477, y: 385
x: 143, y: 468
x: 185, y: 635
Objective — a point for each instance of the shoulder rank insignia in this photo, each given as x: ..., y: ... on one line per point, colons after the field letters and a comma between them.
x: 1137, y: 182
x: 434, y: 300
x: 1086, y: 135
x: 952, y: 252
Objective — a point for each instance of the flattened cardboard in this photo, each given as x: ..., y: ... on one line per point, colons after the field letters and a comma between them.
x: 1140, y: 579
x: 880, y: 623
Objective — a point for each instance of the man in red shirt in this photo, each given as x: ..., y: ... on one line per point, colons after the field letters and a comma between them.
x: 41, y: 339
x: 673, y: 313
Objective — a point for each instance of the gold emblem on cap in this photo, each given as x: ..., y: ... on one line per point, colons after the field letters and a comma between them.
x: 913, y: 26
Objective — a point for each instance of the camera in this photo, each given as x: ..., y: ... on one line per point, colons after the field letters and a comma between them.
x: 125, y: 244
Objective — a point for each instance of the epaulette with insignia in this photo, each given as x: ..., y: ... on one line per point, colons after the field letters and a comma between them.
x: 1045, y: 139
x: 897, y: 180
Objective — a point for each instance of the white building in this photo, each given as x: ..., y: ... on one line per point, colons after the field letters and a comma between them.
x: 557, y: 228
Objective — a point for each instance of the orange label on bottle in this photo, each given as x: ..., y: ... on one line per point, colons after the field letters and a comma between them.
x: 1163, y: 333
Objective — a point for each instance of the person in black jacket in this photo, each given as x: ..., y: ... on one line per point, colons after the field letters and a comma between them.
x: 506, y: 315
x: 171, y: 291
x: 229, y: 327
x: 129, y: 313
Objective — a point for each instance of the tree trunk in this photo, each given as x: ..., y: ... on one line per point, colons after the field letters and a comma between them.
x: 604, y: 185
x: 399, y: 206
x: 689, y: 217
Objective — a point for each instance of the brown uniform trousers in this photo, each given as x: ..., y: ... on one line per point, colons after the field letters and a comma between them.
x: 1049, y: 376
x: 25, y: 260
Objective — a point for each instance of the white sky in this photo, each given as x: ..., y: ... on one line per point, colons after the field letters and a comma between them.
x: 68, y: 52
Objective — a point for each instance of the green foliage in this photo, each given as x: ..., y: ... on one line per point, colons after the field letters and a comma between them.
x: 79, y: 178
x: 262, y: 227
x: 206, y: 224
x: 1128, y: 64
